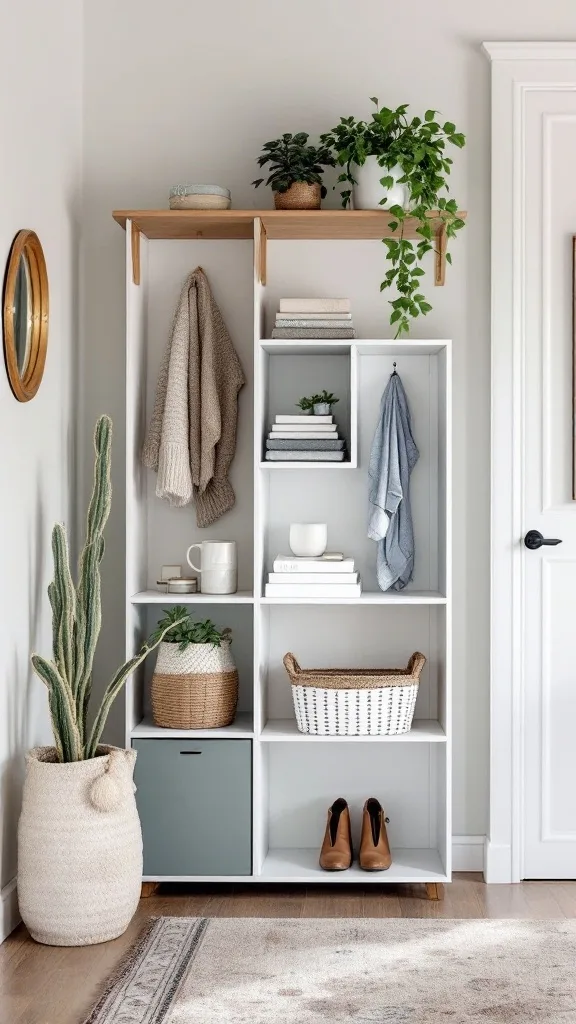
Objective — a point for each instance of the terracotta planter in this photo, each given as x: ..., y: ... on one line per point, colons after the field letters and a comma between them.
x: 300, y: 196
x: 196, y: 688
x: 79, y: 847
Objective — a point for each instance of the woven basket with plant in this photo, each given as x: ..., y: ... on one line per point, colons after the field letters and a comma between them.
x: 195, y: 682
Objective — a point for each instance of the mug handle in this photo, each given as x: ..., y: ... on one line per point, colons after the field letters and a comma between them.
x: 189, y: 560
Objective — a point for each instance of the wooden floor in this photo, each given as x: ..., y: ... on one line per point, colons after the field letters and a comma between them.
x: 48, y: 985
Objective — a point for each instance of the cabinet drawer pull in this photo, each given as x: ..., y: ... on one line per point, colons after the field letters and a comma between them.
x: 190, y: 751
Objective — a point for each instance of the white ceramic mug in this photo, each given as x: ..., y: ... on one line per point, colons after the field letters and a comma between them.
x: 308, y: 540
x: 218, y: 566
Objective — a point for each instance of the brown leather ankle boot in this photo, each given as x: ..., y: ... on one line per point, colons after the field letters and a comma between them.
x: 374, y: 848
x: 336, y: 852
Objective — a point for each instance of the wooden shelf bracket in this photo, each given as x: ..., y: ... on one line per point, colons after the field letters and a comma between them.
x: 440, y: 256
x: 135, y: 248
x: 260, y: 239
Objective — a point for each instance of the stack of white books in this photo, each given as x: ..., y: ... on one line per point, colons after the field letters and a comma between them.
x: 314, y: 318
x: 330, y: 575
x: 302, y: 438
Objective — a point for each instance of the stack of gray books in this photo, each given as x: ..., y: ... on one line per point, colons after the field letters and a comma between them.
x: 314, y: 318
x: 302, y: 438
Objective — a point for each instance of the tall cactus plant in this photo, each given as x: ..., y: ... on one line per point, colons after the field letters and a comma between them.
x: 76, y: 622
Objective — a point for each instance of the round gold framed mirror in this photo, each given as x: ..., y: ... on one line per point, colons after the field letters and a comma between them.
x: 25, y: 315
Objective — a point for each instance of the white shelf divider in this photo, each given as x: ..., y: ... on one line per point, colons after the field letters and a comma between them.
x: 285, y: 730
x: 301, y: 866
x: 159, y: 597
x: 241, y: 728
x: 416, y: 597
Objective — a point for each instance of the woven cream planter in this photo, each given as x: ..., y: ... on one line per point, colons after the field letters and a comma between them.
x: 196, y: 688
x: 79, y: 847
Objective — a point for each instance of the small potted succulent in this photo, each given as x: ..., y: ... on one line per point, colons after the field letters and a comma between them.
x: 400, y: 164
x: 295, y: 171
x: 195, y: 682
x: 305, y: 404
x: 322, y: 403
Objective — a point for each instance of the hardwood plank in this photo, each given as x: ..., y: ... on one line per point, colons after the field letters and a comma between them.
x: 277, y: 224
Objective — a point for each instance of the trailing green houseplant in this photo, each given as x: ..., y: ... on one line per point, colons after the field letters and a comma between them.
x: 76, y: 623
x: 293, y: 163
x: 416, y: 148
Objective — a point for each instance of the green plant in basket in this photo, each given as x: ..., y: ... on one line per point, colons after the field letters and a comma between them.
x: 292, y: 160
x: 177, y: 627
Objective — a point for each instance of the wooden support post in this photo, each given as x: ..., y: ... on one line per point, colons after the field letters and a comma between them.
x: 434, y: 891
x: 260, y: 252
x: 135, y: 245
x: 149, y: 889
x: 440, y: 256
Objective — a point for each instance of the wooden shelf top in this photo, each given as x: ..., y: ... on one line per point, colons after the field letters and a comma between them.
x: 295, y: 224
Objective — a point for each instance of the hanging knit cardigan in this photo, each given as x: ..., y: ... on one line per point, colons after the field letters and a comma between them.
x: 191, y: 439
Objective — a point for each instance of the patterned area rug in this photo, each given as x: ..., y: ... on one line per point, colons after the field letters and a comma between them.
x: 266, y: 971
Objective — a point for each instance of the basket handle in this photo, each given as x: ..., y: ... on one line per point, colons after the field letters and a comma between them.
x: 416, y: 664
x: 291, y: 665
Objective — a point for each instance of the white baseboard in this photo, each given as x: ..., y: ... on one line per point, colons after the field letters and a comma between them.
x: 9, y: 913
x: 498, y: 863
x: 468, y: 853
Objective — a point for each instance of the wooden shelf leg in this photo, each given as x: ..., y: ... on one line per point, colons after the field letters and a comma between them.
x: 440, y: 257
x: 149, y: 889
x: 135, y: 246
x: 434, y: 891
x: 260, y: 240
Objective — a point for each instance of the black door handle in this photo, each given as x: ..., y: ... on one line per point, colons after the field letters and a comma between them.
x: 534, y: 540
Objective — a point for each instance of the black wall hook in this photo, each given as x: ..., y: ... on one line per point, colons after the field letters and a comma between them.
x: 394, y: 374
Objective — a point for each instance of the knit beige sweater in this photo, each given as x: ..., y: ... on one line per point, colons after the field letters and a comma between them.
x: 191, y: 438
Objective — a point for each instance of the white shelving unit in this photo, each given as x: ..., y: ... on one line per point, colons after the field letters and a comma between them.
x: 295, y: 777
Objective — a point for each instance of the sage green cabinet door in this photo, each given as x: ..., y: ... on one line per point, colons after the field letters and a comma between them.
x: 195, y: 804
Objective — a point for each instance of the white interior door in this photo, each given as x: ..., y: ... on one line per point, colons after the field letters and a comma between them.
x: 548, y: 573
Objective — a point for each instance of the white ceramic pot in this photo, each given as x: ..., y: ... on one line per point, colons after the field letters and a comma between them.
x: 79, y: 847
x: 308, y: 540
x: 368, y: 192
x: 322, y: 409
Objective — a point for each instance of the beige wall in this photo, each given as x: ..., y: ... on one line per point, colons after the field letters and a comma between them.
x: 179, y: 91
x: 40, y: 172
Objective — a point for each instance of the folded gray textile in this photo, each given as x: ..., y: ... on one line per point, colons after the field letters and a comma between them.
x: 300, y: 456
x: 307, y: 446
x: 392, y: 459
x: 304, y: 333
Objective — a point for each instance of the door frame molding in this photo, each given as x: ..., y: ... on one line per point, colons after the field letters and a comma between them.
x: 517, y: 69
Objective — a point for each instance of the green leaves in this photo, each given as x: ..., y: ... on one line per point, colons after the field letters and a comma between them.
x: 178, y: 628
x: 291, y: 159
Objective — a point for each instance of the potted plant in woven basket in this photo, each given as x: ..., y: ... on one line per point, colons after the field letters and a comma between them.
x: 79, y: 838
x: 195, y: 682
x: 296, y: 171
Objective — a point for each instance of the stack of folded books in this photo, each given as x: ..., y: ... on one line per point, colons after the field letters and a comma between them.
x: 314, y: 318
x: 329, y: 575
x: 302, y: 438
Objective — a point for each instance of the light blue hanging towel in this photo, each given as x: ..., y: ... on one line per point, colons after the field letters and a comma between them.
x: 392, y: 459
